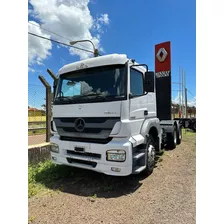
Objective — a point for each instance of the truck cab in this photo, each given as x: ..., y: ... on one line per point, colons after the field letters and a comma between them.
x: 105, y: 117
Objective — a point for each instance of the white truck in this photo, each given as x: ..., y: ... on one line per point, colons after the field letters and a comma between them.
x: 105, y: 117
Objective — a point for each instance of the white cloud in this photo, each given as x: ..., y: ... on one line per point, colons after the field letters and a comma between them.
x: 31, y: 69
x: 191, y: 102
x: 70, y: 19
x: 100, y: 22
x: 177, y: 99
x: 38, y: 49
x: 104, y: 19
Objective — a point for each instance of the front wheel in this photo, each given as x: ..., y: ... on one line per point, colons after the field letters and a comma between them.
x: 150, y: 156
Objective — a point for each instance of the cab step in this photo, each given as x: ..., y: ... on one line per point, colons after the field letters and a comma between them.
x: 139, y: 155
x: 138, y: 169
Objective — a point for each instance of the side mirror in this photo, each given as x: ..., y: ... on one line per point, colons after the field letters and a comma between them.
x: 149, y: 82
x: 54, y: 87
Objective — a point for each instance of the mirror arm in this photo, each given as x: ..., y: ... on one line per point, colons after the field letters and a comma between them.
x: 130, y: 96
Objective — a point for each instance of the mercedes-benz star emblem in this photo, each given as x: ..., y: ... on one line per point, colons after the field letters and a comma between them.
x: 79, y: 124
x: 161, y: 54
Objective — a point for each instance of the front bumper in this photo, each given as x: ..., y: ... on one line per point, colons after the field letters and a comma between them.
x: 94, y: 157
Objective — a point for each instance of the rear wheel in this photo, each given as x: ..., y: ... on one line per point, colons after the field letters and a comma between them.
x: 150, y: 156
x: 179, y: 134
x: 194, y: 126
x: 172, y: 138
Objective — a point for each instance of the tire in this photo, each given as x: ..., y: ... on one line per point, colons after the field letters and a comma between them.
x: 179, y: 134
x: 194, y: 126
x: 150, y: 156
x: 172, y: 138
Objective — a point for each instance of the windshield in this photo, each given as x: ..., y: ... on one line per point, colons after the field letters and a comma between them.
x: 94, y: 84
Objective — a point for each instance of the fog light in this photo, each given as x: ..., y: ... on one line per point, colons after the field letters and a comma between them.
x: 54, y: 147
x: 115, y: 169
x: 116, y: 155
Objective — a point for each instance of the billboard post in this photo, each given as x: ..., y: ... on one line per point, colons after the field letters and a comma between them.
x: 163, y: 80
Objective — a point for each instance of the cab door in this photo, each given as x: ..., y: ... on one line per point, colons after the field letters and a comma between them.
x: 138, y: 100
x: 142, y: 105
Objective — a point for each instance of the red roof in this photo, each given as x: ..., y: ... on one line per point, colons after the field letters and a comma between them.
x: 33, y: 109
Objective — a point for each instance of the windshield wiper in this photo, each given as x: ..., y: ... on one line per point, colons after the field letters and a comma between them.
x: 88, y: 96
x: 64, y: 99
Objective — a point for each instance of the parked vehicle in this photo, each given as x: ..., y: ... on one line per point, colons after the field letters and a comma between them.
x: 112, y: 115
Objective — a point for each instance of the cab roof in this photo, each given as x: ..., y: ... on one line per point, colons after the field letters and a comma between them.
x: 111, y: 59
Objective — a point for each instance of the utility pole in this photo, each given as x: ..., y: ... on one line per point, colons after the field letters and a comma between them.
x: 185, y: 95
x: 186, y: 102
x: 182, y: 96
x: 182, y: 89
x: 180, y: 93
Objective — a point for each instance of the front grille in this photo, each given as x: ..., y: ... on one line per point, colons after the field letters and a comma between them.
x: 90, y: 140
x: 92, y: 128
x: 82, y: 162
x: 87, y: 119
x: 89, y: 154
x: 86, y: 130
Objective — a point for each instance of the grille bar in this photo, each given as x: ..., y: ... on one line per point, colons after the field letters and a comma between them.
x: 87, y: 154
x: 87, y: 119
x: 90, y: 140
x: 107, y: 123
x: 82, y: 162
x: 86, y: 130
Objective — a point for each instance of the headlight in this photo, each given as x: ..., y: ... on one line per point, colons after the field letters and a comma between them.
x: 116, y: 155
x: 54, y: 147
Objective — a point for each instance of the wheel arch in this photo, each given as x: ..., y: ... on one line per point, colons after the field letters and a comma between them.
x: 151, y: 126
x: 154, y: 132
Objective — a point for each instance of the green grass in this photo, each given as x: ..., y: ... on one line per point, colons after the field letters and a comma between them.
x: 94, y: 196
x: 44, y: 175
x: 188, y: 132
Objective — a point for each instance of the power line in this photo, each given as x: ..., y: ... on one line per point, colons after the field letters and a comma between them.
x: 183, y: 86
x: 58, y: 42
x: 190, y: 93
x: 48, y: 31
x: 52, y: 32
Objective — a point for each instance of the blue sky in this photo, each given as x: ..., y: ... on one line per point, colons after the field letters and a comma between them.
x: 133, y: 28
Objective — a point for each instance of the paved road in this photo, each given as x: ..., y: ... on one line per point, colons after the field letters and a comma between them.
x: 36, y: 139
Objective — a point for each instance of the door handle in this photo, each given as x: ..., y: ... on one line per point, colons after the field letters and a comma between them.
x: 146, y: 112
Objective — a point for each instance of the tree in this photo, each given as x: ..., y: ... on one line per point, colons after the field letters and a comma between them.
x: 43, y: 106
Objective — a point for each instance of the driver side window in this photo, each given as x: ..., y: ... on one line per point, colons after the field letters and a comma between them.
x: 136, y: 83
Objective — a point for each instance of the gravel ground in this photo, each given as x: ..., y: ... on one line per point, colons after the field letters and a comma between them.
x: 167, y: 196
